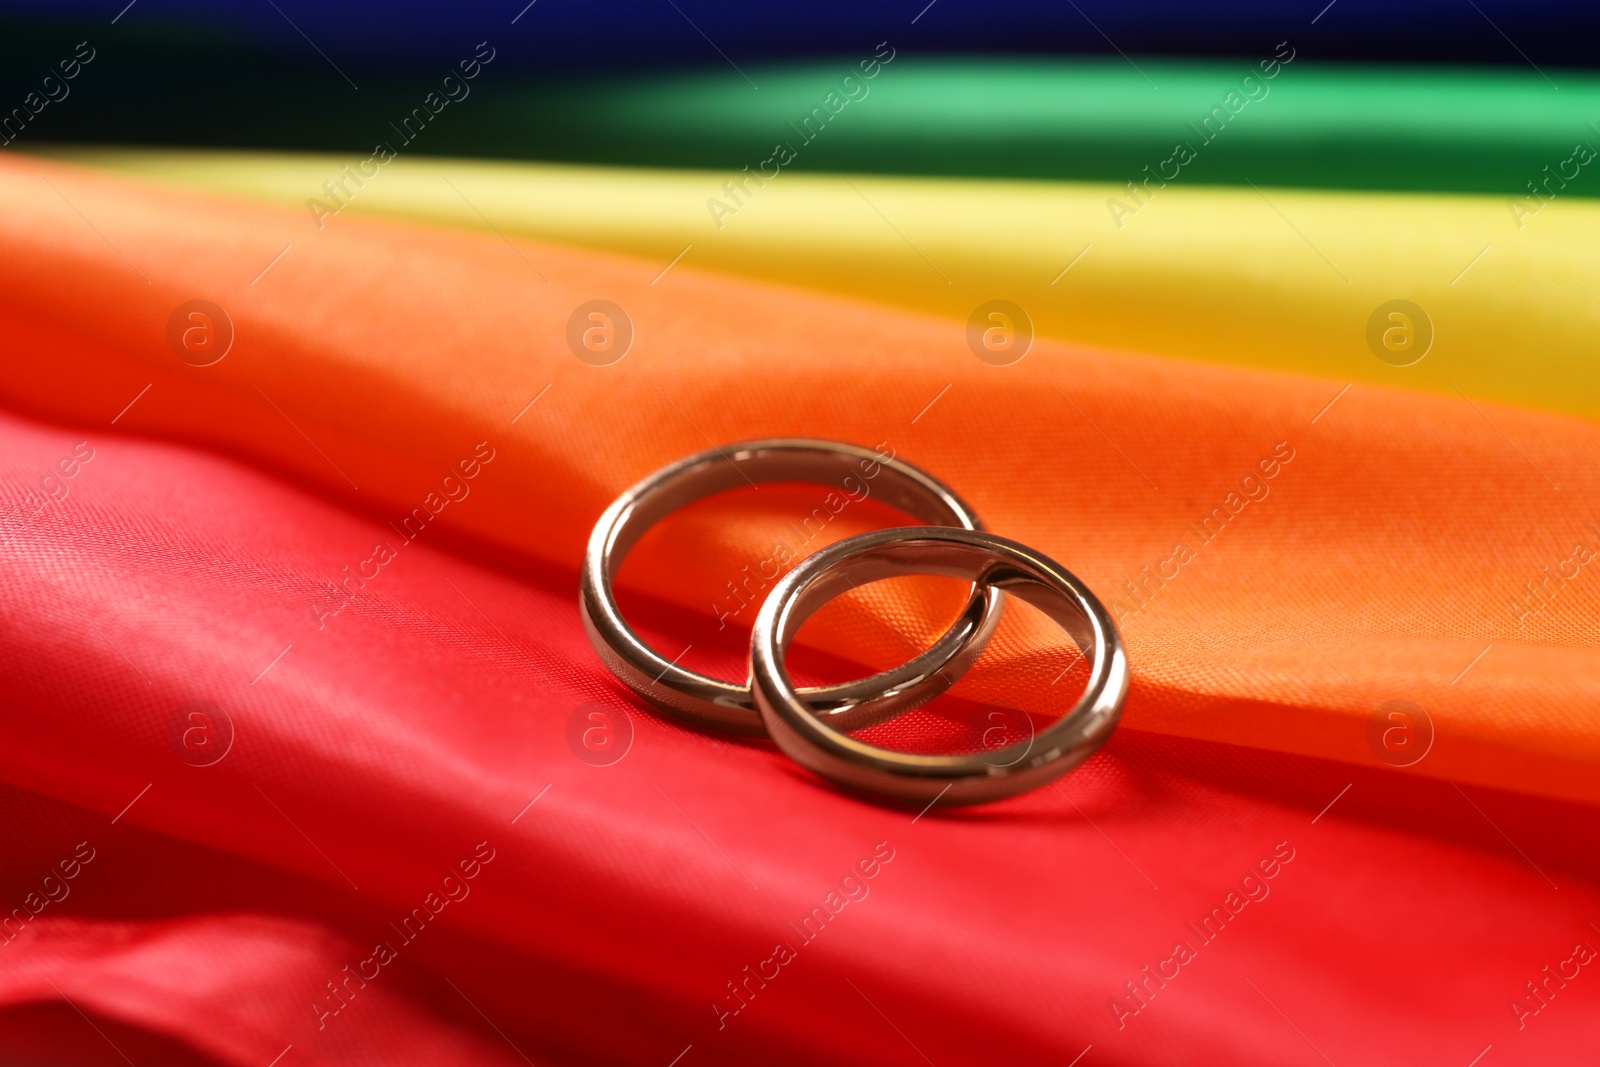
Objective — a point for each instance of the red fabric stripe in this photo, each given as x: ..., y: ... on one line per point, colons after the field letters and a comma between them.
x: 379, y: 751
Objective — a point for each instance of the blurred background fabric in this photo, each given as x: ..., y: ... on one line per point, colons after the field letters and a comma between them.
x: 407, y: 36
x: 295, y: 687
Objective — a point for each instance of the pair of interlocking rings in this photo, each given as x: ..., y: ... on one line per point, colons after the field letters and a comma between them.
x: 812, y: 726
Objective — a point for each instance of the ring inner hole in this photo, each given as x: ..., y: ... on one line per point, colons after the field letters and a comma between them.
x: 693, y: 583
x: 1030, y: 674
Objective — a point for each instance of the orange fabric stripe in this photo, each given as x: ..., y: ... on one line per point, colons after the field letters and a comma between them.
x: 1397, y: 537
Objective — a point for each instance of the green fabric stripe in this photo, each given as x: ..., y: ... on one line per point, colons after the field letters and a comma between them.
x: 1486, y: 130
x: 1483, y: 130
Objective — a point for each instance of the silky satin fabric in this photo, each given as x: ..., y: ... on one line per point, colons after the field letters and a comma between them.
x: 428, y: 723
x: 1268, y: 278
x: 1272, y: 116
x: 1087, y: 118
x: 1386, y: 554
x: 257, y: 970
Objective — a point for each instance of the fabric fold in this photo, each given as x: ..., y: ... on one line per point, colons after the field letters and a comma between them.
x: 1498, y: 286
x: 700, y: 896
x: 1285, y: 556
x: 235, y: 987
x: 1273, y: 111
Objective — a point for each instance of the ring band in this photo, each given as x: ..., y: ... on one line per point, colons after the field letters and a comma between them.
x: 805, y: 734
x: 708, y: 701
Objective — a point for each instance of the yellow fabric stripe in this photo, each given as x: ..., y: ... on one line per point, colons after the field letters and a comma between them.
x: 1265, y: 277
